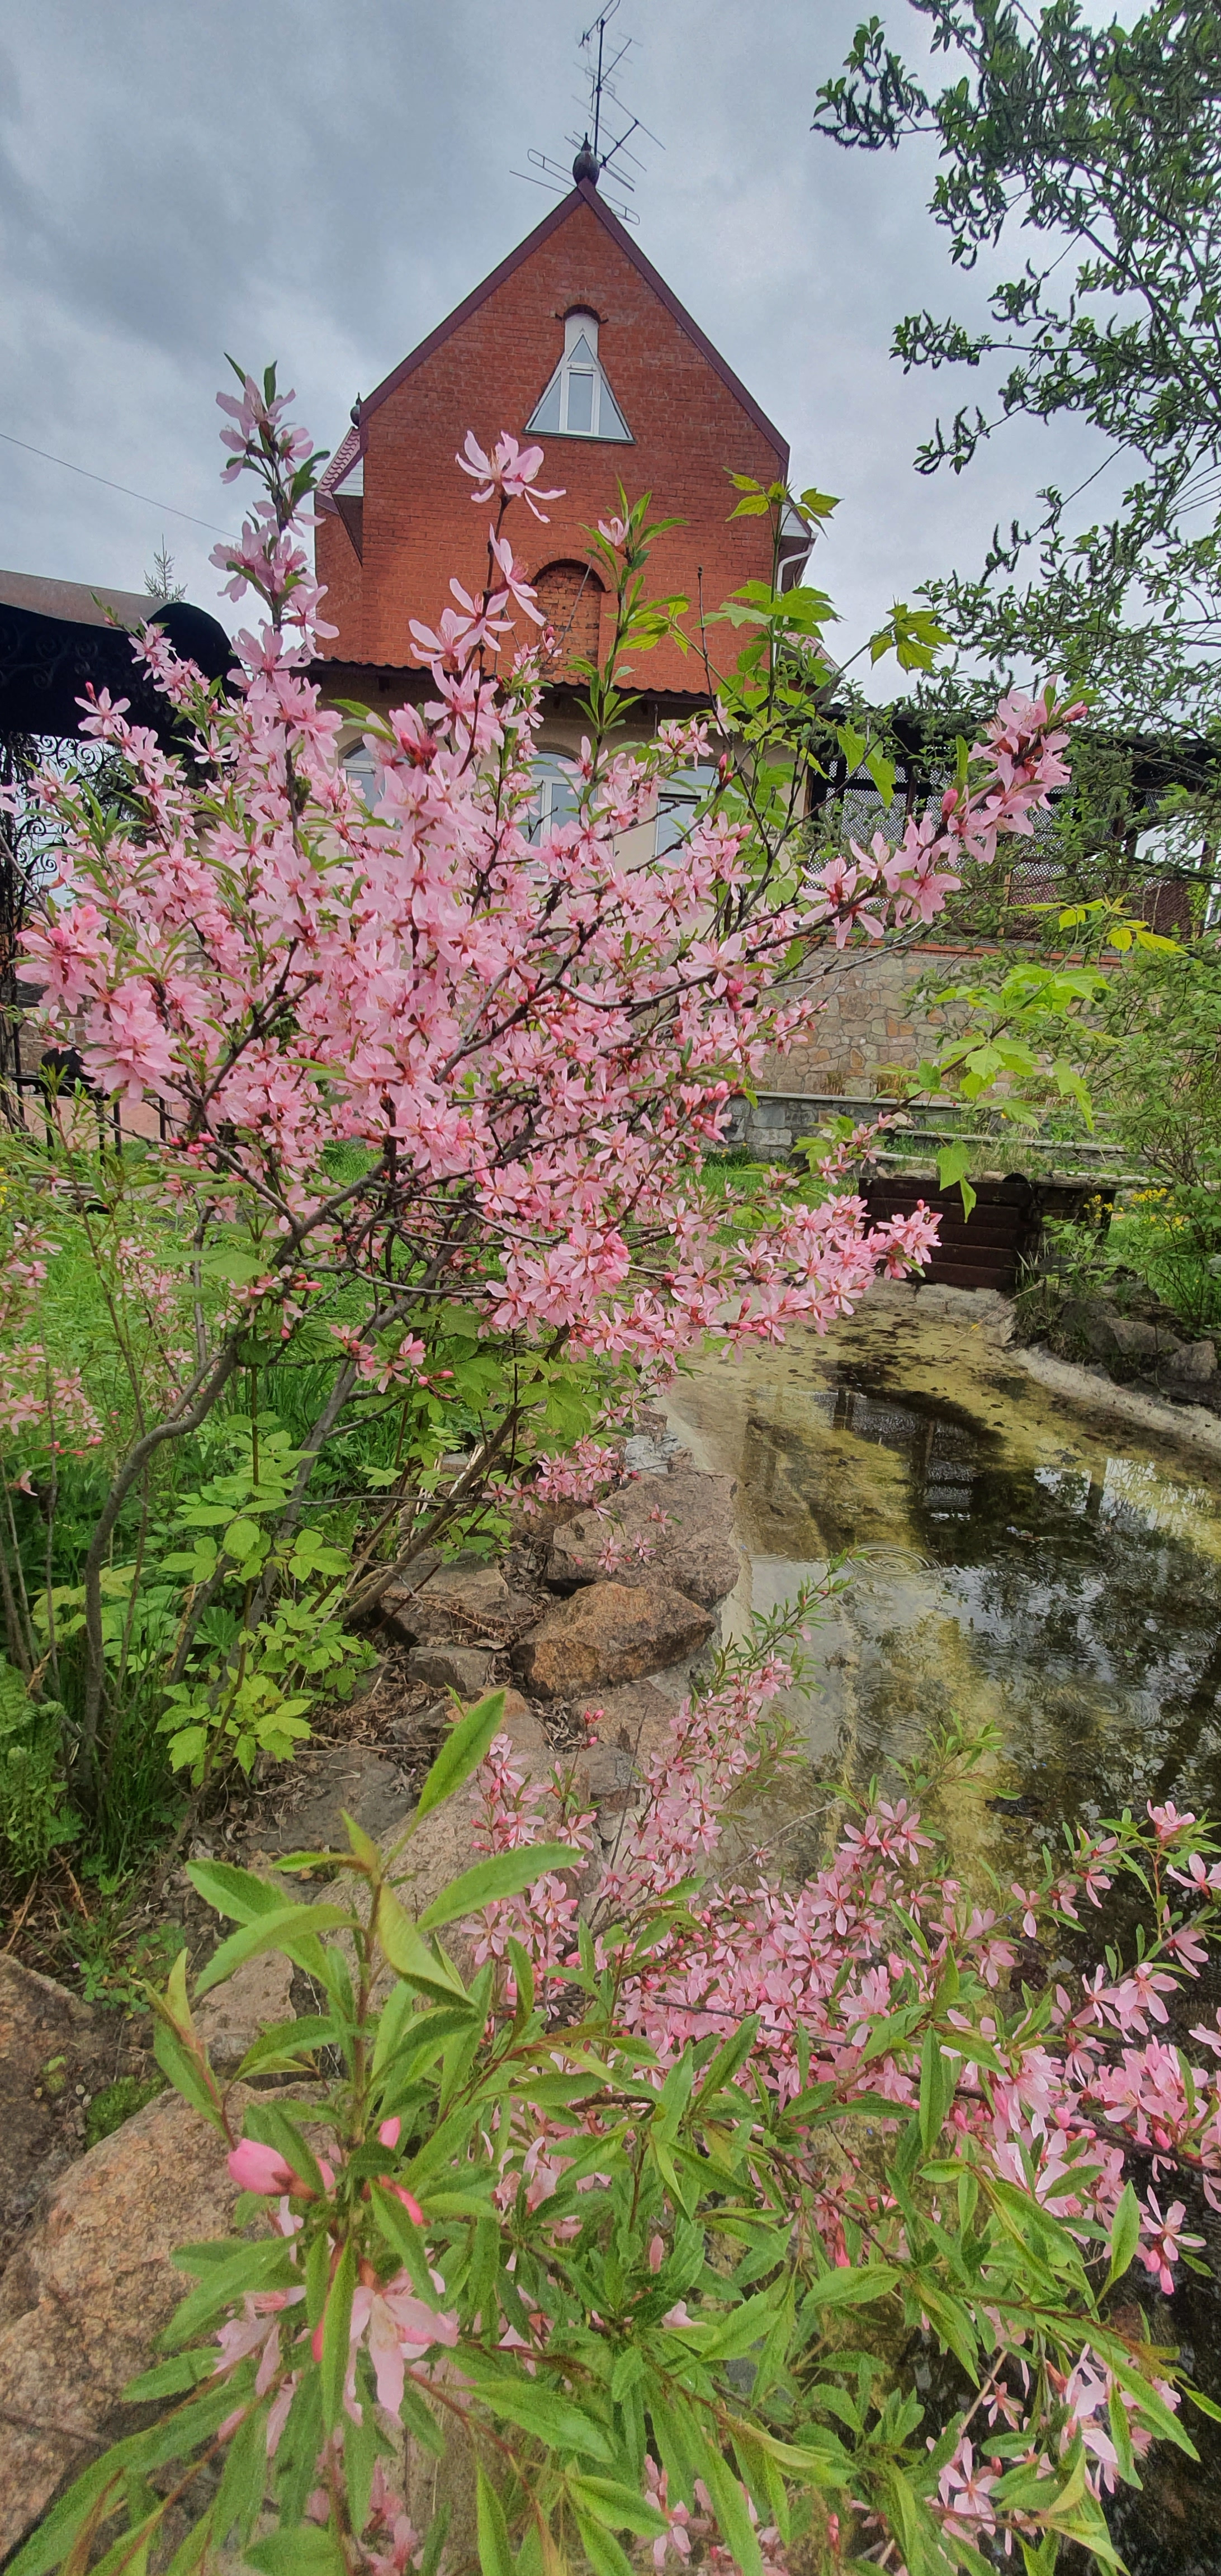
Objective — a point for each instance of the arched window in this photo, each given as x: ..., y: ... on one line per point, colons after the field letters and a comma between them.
x: 578, y: 402
x: 569, y: 596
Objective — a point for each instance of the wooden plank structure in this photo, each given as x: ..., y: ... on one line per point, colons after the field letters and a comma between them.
x: 987, y: 1248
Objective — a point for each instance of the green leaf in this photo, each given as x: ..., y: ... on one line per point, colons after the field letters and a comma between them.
x: 462, y: 1752
x: 242, y: 2267
x: 934, y: 2091
x: 495, y: 2555
x: 618, y: 2507
x: 434, y: 2541
x: 847, y: 2287
x: 185, y: 2073
x: 1158, y: 2415
x: 169, y: 2378
x: 601, y: 2549
x: 540, y: 2409
x: 729, y: 2337
x: 409, y: 1955
x: 505, y: 1875
x: 336, y: 2336
x: 883, y: 773
x: 1125, y: 2236
x: 402, y: 2235
x: 853, y: 746
x: 288, y: 2044
x: 239, y: 2498
x: 952, y: 1164
x: 241, y: 1536
x: 523, y: 1979
x: 730, y: 2507
x: 291, y: 1928
x: 304, y: 2551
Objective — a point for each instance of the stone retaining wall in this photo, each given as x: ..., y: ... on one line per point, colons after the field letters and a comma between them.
x: 869, y: 1019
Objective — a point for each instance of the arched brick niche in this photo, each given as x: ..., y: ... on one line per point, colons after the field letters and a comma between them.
x: 570, y: 597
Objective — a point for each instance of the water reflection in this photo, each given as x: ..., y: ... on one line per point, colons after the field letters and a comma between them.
x: 1029, y: 1563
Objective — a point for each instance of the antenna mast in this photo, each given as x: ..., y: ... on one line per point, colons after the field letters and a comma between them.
x: 600, y: 151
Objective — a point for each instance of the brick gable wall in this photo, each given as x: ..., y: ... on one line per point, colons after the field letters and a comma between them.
x: 688, y: 427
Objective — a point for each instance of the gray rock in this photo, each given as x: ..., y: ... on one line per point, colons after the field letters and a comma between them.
x: 462, y: 1668
x: 650, y: 1453
x: 1134, y: 1339
x: 693, y: 1549
x: 477, y: 1599
x: 1192, y: 1365
x: 630, y: 1725
x: 609, y: 1632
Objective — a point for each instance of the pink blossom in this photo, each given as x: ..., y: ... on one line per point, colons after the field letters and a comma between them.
x: 400, y: 2330
x: 510, y: 470
x: 1160, y: 2247
x: 258, y: 2168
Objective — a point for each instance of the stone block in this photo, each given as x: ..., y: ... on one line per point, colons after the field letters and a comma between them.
x: 609, y: 1632
x: 466, y: 1669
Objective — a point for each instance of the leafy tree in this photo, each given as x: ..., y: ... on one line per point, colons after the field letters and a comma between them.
x: 432, y: 1100
x: 1100, y: 150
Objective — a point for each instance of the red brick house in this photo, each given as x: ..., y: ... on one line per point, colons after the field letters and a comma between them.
x: 577, y: 343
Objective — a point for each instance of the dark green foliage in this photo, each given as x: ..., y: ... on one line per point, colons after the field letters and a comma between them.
x: 1059, y: 133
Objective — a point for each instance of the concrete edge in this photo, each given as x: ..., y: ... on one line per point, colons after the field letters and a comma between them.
x: 1191, y: 1425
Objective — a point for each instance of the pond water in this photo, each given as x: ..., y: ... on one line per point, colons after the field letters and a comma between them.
x: 1029, y: 1561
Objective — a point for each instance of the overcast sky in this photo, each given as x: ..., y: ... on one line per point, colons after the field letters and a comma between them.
x: 322, y: 180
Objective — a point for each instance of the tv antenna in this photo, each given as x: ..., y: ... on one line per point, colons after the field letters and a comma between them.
x: 603, y: 149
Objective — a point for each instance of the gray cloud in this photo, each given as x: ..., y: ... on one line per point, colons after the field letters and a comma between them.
x: 322, y: 183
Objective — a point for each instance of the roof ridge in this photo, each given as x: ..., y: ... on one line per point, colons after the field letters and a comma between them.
x: 584, y: 193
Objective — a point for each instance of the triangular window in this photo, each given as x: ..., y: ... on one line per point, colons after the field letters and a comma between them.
x: 578, y: 402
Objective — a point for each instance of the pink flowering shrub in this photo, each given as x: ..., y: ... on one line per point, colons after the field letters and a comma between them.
x: 433, y: 1087
x: 648, y: 2186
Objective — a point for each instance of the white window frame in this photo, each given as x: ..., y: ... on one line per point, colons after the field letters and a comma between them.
x: 578, y: 326
x: 678, y: 800
x: 557, y: 798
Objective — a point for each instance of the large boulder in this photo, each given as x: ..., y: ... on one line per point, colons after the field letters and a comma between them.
x: 83, y: 2301
x: 609, y: 1632
x: 693, y: 1549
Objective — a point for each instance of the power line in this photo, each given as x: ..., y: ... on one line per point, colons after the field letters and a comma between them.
x: 169, y: 507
